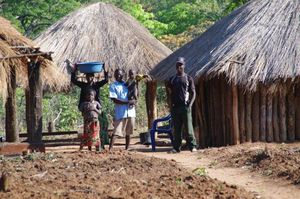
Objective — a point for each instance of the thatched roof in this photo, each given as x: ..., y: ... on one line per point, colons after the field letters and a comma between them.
x: 12, y: 43
x: 259, y: 42
x: 102, y: 32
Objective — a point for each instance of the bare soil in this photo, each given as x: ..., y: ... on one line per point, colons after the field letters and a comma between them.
x: 116, y: 174
x: 273, y: 160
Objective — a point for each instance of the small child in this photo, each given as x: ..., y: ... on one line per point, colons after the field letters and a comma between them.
x: 133, y: 84
x: 90, y: 110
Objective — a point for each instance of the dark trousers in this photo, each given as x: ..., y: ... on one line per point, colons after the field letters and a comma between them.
x: 182, y: 116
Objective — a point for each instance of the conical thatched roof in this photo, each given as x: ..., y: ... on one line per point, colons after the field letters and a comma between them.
x: 102, y: 32
x: 258, y: 42
x: 12, y: 43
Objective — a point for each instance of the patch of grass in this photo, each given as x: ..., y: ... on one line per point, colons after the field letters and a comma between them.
x: 201, y: 171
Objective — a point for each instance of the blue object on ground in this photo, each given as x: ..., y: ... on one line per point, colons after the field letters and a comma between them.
x: 165, y: 129
x: 90, y: 67
x: 2, y: 139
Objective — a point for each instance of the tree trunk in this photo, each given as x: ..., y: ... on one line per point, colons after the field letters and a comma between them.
x: 151, y: 102
x: 291, y: 114
x: 241, y: 116
x: 263, y: 113
x: 235, y: 115
x: 10, y: 107
x: 255, y: 117
x: 275, y: 118
x: 35, y: 99
x: 282, y: 115
x: 248, y: 117
x: 270, y: 118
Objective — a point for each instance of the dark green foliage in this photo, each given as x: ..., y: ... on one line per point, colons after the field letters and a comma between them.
x: 32, y: 17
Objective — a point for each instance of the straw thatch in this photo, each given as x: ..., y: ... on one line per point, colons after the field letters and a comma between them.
x: 102, y: 32
x: 12, y: 43
x: 257, y: 43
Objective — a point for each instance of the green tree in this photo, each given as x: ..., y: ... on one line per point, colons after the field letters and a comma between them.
x: 33, y: 16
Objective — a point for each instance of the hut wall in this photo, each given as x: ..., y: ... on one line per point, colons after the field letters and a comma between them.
x: 225, y: 114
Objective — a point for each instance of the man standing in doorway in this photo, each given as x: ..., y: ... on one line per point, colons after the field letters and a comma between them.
x: 124, y: 118
x: 183, y: 95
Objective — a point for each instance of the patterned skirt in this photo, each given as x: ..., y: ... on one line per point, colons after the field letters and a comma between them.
x: 90, y: 135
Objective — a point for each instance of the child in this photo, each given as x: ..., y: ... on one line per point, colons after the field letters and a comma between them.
x: 90, y: 110
x: 133, y: 84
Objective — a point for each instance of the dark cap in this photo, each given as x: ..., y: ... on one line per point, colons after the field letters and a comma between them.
x: 180, y: 60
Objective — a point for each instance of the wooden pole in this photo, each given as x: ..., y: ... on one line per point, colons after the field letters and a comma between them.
x: 248, y: 117
x: 201, y: 112
x: 10, y: 107
x: 228, y: 114
x: 35, y: 98
x: 255, y: 117
x: 218, y: 111
x: 282, y: 115
x: 263, y: 113
x: 269, y: 134
x: 291, y: 114
x: 223, y: 108
x: 151, y: 102
x: 210, y: 118
x: 241, y: 109
x: 275, y: 118
x: 235, y: 115
x: 28, y: 115
x: 297, y: 105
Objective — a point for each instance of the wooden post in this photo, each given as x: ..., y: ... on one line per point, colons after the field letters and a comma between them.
x: 248, y: 117
x: 297, y: 105
x: 282, y: 115
x: 275, y: 118
x: 218, y: 111
x: 28, y: 115
x: 201, y: 112
x: 270, y: 137
x: 10, y: 107
x: 228, y: 114
x: 255, y: 117
x: 241, y: 109
x: 210, y: 114
x: 151, y: 102
x: 223, y: 107
x: 35, y: 99
x: 263, y: 113
x: 235, y: 115
x: 291, y: 114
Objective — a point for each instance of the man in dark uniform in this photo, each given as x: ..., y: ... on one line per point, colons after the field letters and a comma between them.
x: 183, y: 95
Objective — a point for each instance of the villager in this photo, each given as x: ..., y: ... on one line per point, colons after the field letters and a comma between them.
x: 90, y: 109
x: 133, y: 84
x: 124, y: 118
x: 90, y: 84
x: 183, y: 95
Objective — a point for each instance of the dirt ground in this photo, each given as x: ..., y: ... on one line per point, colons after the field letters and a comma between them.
x: 274, y: 160
x: 116, y: 174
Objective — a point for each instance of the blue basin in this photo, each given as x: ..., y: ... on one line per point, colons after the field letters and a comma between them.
x: 90, y: 67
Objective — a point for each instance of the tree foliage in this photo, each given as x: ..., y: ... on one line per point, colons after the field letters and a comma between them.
x: 33, y: 16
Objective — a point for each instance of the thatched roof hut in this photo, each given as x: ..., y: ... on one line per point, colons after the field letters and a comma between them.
x: 246, y: 68
x: 102, y: 32
x: 21, y: 63
x: 13, y: 48
x: 258, y: 42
